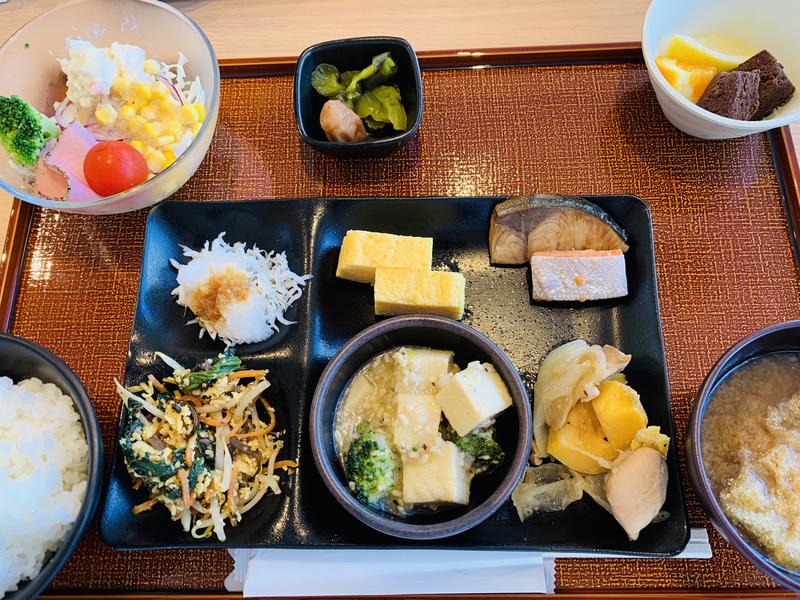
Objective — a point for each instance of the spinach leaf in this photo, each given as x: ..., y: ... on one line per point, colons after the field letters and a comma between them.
x: 227, y: 362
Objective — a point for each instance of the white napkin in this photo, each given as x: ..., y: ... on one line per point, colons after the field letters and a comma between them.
x: 316, y: 572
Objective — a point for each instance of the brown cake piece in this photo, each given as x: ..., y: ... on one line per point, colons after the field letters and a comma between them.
x: 733, y: 95
x: 774, y: 88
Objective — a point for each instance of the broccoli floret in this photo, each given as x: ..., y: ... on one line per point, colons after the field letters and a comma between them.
x: 480, y: 445
x: 371, y: 466
x: 23, y: 130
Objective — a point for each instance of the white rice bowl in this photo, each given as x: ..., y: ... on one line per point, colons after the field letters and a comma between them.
x: 43, y: 474
x: 236, y: 294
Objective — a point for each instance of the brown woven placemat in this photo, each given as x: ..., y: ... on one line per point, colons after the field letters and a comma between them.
x: 725, y: 266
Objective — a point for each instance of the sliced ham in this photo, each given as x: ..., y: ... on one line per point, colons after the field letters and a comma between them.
x: 59, y: 173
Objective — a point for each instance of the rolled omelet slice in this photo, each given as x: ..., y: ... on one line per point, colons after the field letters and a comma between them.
x: 578, y: 275
x: 409, y: 291
x: 364, y: 251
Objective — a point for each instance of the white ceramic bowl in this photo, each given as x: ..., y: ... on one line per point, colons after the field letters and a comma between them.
x: 33, y: 74
x: 773, y: 25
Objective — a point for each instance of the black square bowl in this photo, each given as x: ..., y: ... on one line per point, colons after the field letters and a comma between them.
x: 349, y: 54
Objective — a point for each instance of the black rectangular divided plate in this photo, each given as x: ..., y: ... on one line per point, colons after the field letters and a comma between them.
x: 332, y: 310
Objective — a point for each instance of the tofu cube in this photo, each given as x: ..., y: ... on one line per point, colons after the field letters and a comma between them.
x: 363, y: 251
x: 421, y: 369
x: 436, y: 478
x: 472, y: 396
x: 416, y: 424
x: 409, y: 291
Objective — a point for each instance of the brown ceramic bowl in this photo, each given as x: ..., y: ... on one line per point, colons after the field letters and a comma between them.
x: 512, y: 427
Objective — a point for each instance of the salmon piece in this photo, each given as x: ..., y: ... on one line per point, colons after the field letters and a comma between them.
x: 578, y: 275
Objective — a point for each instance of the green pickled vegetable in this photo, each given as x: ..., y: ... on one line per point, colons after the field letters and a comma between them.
x: 365, y: 92
x: 326, y: 80
x: 346, y: 77
x: 373, y: 125
x: 379, y: 71
x: 382, y: 105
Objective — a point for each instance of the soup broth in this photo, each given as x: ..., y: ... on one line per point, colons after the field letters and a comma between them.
x: 750, y: 440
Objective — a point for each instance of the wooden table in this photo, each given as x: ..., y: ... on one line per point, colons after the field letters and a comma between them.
x: 270, y: 28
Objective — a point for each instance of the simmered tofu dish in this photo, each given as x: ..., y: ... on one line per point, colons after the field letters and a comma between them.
x: 412, y: 429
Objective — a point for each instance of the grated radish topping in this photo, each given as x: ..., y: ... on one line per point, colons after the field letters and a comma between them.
x: 272, y: 287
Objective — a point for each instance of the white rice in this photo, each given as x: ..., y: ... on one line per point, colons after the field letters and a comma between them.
x: 272, y: 288
x: 43, y: 470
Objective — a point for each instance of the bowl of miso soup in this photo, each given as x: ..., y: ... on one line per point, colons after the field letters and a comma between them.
x: 420, y: 427
x: 743, y: 449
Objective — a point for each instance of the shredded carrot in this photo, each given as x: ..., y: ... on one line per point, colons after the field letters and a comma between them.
x: 270, y: 412
x: 183, y: 477
x: 246, y: 373
x: 193, y: 399
x: 286, y: 464
x: 192, y: 498
x: 237, y: 427
x: 214, y: 422
x: 146, y: 505
x: 232, y: 488
x: 137, y: 484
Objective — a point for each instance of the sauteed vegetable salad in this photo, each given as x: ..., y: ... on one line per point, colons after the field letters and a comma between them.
x: 196, y: 441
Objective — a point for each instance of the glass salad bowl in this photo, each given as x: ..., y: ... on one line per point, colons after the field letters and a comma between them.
x: 29, y: 69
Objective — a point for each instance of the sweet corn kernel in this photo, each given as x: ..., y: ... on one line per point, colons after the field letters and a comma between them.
x: 143, y: 91
x: 172, y: 127
x: 151, y: 67
x: 105, y: 114
x: 159, y: 90
x: 149, y: 112
x: 136, y: 123
x: 156, y: 161
x: 153, y: 129
x: 120, y: 86
x: 190, y: 114
x: 169, y: 158
x: 170, y: 106
x: 127, y: 111
x: 201, y: 109
x: 163, y: 140
x: 138, y: 145
x: 196, y: 127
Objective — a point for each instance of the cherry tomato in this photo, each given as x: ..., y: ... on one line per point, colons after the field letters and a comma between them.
x: 113, y: 167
